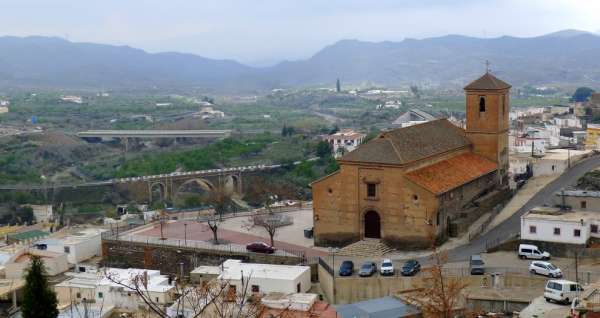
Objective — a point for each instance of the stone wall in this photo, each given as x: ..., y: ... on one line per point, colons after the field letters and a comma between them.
x: 174, y: 260
x: 354, y: 289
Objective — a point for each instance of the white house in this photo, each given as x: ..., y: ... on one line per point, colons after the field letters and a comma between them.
x: 158, y: 287
x: 115, y: 287
x: 344, y: 141
x: 42, y: 213
x: 79, y: 246
x: 550, y: 224
x: 263, y: 278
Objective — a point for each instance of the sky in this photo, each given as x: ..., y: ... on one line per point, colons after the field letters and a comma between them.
x: 263, y: 32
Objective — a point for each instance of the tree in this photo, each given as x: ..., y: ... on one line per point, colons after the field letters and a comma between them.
x: 221, y: 198
x: 270, y: 222
x: 415, y: 90
x: 440, y: 296
x: 213, y: 222
x: 335, y: 129
x: 39, y: 300
x: 582, y: 94
x: 323, y: 149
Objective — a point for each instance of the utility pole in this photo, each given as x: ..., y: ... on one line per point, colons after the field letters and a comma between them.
x: 576, y: 266
x: 185, y: 234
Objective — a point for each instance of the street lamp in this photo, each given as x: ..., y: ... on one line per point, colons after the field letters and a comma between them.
x: 185, y: 234
x: 332, y: 251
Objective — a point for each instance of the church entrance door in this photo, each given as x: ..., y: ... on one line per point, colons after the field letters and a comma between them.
x: 372, y: 225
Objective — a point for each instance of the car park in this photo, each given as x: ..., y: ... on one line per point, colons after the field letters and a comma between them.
x: 386, y: 267
x: 476, y: 265
x: 367, y: 269
x: 260, y: 247
x: 347, y: 268
x: 411, y: 267
x: 528, y: 251
x: 562, y: 291
x: 545, y: 268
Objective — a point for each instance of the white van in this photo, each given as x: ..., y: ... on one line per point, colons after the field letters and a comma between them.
x: 563, y: 291
x: 532, y: 252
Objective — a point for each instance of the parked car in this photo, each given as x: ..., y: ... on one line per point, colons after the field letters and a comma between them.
x: 367, y: 269
x: 347, y: 268
x: 532, y: 252
x: 562, y: 291
x: 476, y: 265
x: 387, y: 267
x: 545, y: 268
x: 260, y: 247
x: 411, y: 267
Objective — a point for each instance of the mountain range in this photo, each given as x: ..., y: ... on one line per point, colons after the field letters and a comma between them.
x: 564, y: 57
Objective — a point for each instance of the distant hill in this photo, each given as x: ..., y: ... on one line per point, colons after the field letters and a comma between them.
x: 568, y: 56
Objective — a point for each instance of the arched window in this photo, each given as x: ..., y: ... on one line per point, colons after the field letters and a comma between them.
x: 481, y: 104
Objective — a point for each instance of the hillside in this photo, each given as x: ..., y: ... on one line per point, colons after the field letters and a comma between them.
x: 568, y: 56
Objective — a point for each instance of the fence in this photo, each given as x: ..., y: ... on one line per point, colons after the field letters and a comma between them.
x: 228, y: 248
x: 326, y: 266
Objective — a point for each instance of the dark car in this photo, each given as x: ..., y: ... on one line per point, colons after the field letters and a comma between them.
x: 411, y: 268
x: 260, y: 247
x: 477, y: 265
x: 347, y: 268
x: 367, y: 269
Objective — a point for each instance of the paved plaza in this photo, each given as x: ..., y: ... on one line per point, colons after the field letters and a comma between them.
x: 234, y: 231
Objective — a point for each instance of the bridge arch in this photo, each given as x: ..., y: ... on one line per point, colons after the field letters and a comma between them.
x: 157, y: 191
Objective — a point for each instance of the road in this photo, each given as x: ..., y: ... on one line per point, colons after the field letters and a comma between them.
x: 512, y: 225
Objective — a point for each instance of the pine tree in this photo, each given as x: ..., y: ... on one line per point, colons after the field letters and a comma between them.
x: 39, y: 300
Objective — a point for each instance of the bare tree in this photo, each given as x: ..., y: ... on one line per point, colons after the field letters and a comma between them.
x: 269, y: 222
x: 213, y: 221
x: 221, y: 198
x: 440, y: 296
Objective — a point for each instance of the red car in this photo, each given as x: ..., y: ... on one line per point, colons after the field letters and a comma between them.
x: 260, y: 247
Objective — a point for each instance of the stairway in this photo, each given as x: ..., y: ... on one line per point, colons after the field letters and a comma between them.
x: 366, y: 248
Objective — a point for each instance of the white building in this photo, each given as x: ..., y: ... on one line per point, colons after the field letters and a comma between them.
x: 115, y: 287
x: 344, y: 141
x: 79, y: 246
x: 558, y: 226
x: 42, y: 213
x: 72, y: 99
x: 207, y: 113
x: 263, y: 278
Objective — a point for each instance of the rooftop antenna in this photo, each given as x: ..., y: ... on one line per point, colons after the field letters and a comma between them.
x: 487, y: 66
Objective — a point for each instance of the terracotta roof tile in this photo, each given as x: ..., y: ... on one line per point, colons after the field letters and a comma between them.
x: 451, y: 173
x: 404, y: 145
x: 487, y: 81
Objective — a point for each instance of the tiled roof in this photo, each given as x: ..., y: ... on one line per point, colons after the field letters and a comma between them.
x: 487, y: 81
x: 451, y: 173
x: 404, y: 145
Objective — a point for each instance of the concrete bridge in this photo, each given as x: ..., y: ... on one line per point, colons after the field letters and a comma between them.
x: 158, y: 187
x: 167, y: 186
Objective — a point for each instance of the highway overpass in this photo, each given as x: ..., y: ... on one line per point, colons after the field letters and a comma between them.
x: 154, y: 134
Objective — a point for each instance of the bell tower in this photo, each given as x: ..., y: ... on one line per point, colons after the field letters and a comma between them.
x: 487, y: 100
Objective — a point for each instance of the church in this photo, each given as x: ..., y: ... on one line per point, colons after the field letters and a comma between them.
x: 409, y: 186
